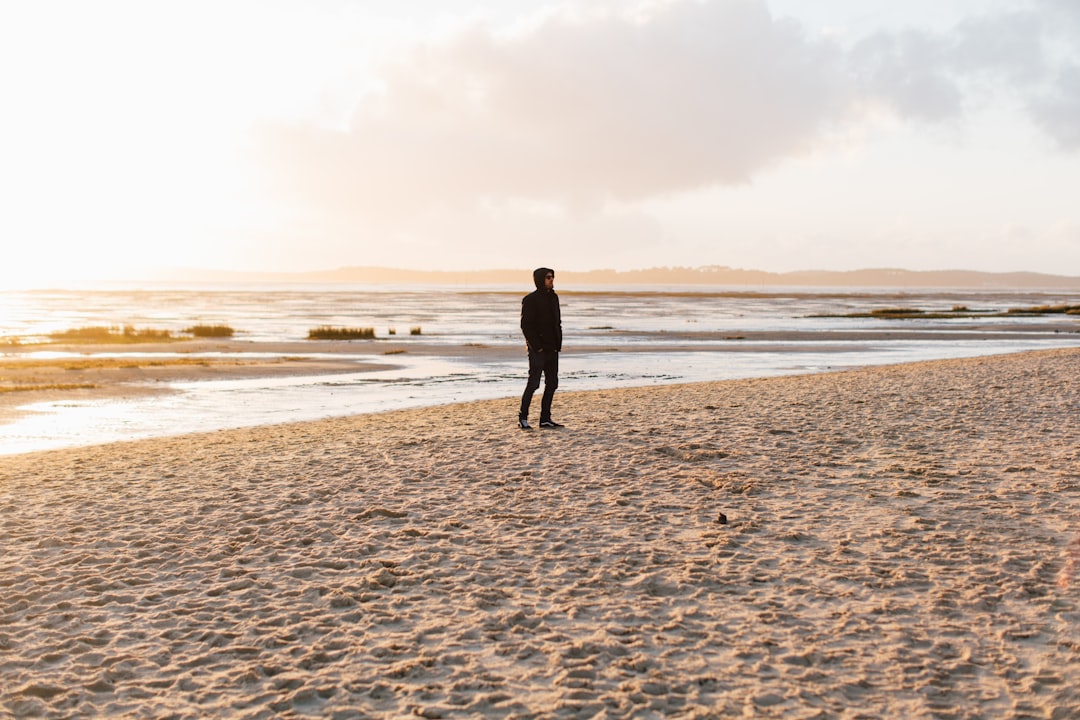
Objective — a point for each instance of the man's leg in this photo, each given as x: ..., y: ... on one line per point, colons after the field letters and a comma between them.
x: 551, y: 382
x: 536, y: 366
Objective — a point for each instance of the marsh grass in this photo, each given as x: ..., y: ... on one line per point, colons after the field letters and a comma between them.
x: 415, y: 330
x: 957, y: 311
x: 46, y: 386
x: 115, y: 334
x: 897, y: 312
x: 112, y: 334
x: 326, y: 332
x: 1047, y: 310
x: 210, y: 331
x: 92, y: 363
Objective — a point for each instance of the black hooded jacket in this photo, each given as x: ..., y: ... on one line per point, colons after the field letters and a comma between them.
x: 541, y: 320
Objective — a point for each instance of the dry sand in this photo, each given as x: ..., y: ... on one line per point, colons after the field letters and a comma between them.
x: 901, y: 542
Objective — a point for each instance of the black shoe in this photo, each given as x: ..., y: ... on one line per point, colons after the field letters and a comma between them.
x: 549, y: 423
x: 524, y: 424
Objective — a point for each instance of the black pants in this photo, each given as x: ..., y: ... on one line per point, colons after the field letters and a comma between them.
x: 546, y: 363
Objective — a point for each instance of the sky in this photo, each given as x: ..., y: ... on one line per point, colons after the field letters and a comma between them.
x: 291, y: 135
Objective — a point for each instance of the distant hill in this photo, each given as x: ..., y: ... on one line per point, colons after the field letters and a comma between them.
x: 710, y: 275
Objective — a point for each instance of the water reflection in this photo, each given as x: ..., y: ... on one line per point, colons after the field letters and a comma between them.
x: 429, y: 381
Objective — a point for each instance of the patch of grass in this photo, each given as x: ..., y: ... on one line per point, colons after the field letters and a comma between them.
x: 210, y: 331
x: 903, y: 313
x: 47, y: 386
x: 326, y: 332
x: 958, y: 311
x: 93, y: 363
x: 1047, y: 310
x: 415, y: 330
x: 395, y: 352
x: 112, y: 334
x: 899, y: 312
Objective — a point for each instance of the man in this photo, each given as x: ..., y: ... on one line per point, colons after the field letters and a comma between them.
x: 541, y: 322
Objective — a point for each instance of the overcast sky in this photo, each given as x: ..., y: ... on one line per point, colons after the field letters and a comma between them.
x: 314, y: 134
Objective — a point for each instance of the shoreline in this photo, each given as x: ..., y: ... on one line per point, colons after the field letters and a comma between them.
x: 900, y: 541
x: 94, y: 372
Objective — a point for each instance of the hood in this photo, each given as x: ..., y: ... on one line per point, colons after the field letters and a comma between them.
x: 538, y: 276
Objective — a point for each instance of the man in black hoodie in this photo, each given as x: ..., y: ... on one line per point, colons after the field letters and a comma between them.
x: 541, y: 322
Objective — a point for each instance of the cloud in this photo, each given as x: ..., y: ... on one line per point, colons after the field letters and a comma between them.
x: 1027, y: 54
x: 1057, y: 111
x: 578, y: 111
x: 908, y: 71
x: 1056, y: 107
x: 1067, y: 11
x: 582, y: 111
x: 930, y: 76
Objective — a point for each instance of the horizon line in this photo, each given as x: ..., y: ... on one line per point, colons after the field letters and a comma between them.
x: 891, y: 277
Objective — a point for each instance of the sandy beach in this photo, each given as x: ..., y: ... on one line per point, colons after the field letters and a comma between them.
x: 896, y: 542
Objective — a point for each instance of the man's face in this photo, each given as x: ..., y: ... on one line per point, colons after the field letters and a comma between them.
x: 549, y: 281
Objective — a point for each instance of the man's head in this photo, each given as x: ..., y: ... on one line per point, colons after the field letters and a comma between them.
x: 544, y: 278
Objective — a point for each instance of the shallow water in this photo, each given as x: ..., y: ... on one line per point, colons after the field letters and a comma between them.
x: 651, y: 333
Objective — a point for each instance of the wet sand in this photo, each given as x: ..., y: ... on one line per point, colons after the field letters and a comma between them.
x: 88, y: 372
x: 899, y: 542
x: 95, y: 372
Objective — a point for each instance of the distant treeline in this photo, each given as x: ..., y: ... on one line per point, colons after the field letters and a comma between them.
x: 708, y: 275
